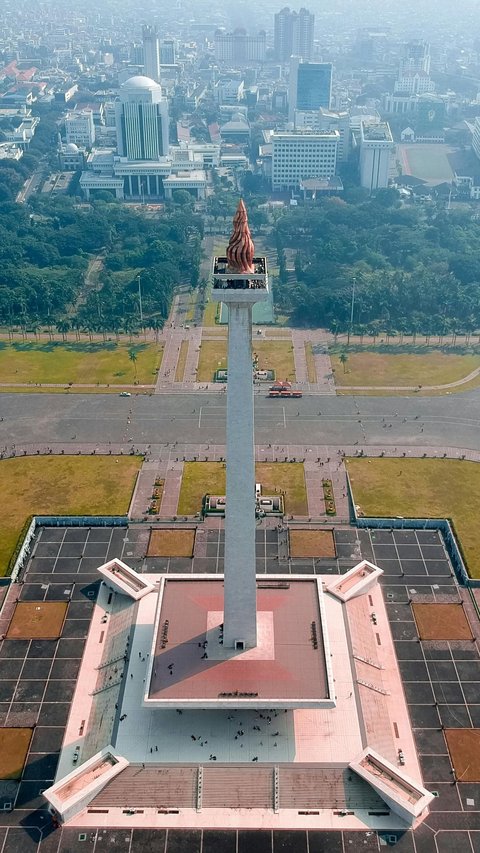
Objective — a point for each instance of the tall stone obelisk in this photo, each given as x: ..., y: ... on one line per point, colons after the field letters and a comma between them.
x: 240, y: 280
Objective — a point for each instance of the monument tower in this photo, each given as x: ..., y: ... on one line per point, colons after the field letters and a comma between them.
x: 240, y: 280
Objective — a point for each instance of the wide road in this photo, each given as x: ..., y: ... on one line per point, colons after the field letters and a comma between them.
x: 55, y: 419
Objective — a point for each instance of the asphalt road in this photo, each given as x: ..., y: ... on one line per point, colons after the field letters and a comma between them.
x: 452, y: 421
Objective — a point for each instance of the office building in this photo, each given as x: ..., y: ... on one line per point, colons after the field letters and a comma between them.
x: 302, y: 154
x: 167, y: 51
x: 414, y: 84
x: 320, y: 120
x: 310, y: 86
x: 151, y: 53
x: 476, y: 137
x: 141, y: 115
x: 293, y: 34
x: 376, y: 146
x: 238, y: 48
x: 79, y: 128
x: 416, y: 59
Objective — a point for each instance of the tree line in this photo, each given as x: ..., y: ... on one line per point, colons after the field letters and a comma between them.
x: 379, y: 266
x: 46, y: 250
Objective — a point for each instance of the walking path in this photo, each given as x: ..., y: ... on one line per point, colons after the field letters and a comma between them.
x: 171, y: 489
x: 317, y: 338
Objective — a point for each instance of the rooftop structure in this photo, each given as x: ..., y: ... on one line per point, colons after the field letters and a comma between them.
x: 125, y: 580
x: 193, y: 664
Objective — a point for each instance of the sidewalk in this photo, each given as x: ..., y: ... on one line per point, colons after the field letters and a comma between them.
x: 324, y: 375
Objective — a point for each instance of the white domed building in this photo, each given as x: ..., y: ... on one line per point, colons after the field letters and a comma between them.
x: 71, y: 157
x: 141, y: 115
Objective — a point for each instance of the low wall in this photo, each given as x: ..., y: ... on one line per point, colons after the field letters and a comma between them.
x: 442, y: 524
x: 59, y: 521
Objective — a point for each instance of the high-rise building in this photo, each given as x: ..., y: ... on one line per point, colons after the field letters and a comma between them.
x: 167, y: 51
x: 476, y: 137
x: 416, y: 59
x: 310, y: 86
x: 320, y: 120
x: 302, y: 154
x: 238, y: 47
x: 141, y: 114
x: 79, y: 128
x: 293, y: 34
x: 376, y: 146
x: 151, y: 53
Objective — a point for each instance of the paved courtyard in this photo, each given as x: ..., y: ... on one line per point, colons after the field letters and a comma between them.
x: 37, y: 680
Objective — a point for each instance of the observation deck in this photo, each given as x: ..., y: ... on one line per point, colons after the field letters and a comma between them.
x: 247, y: 287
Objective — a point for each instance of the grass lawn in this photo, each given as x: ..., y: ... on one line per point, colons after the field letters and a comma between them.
x: 14, y: 744
x: 37, y: 620
x: 181, y: 362
x: 428, y: 161
x: 310, y: 359
x: 377, y: 369
x: 79, y: 362
x: 210, y: 313
x: 272, y: 355
x: 63, y: 485
x: 311, y: 543
x: 212, y: 357
x: 200, y: 478
x: 423, y: 488
x: 171, y: 543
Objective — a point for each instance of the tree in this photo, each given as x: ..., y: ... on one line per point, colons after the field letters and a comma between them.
x: 132, y: 354
x: 63, y: 326
x: 183, y: 198
x: 343, y: 358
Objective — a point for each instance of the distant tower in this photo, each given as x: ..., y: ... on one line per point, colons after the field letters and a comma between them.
x: 141, y: 118
x: 240, y: 280
x: 293, y: 34
x: 151, y: 53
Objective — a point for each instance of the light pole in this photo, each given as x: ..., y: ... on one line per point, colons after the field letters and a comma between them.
x: 140, y: 299
x: 352, y: 306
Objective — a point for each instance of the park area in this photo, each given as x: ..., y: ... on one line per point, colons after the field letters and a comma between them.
x: 381, y: 369
x: 422, y: 488
x: 200, y: 478
x: 272, y: 355
x: 76, y: 363
x: 61, y: 485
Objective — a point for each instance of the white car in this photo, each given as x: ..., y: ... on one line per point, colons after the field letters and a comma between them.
x: 125, y: 394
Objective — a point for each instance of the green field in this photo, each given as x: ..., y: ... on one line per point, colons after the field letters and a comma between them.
x: 423, y: 488
x: 272, y: 355
x: 79, y: 363
x: 200, y: 478
x: 376, y: 369
x: 428, y: 162
x: 61, y: 485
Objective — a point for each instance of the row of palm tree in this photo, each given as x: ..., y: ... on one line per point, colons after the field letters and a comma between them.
x: 89, y: 326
